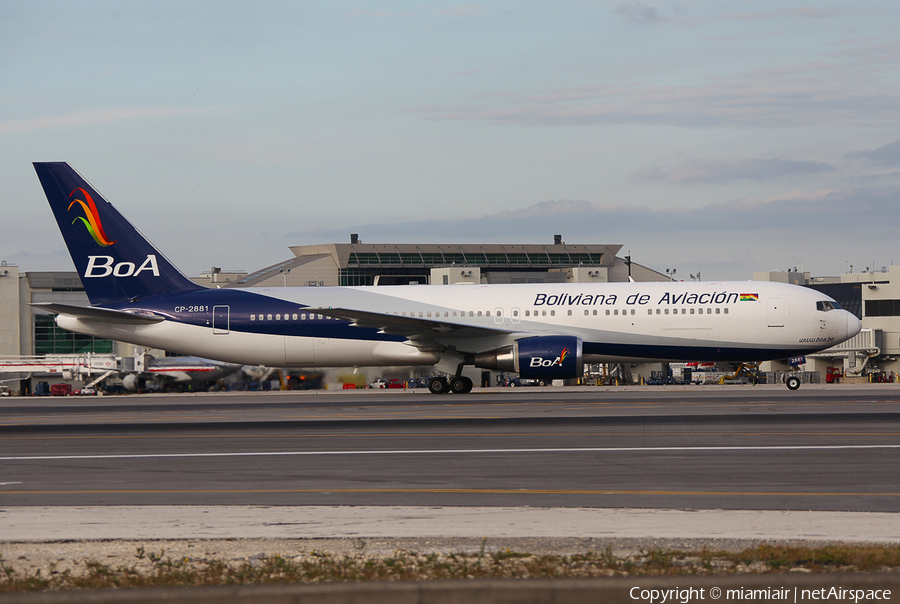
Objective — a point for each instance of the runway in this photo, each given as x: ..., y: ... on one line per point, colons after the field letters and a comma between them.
x: 824, y: 448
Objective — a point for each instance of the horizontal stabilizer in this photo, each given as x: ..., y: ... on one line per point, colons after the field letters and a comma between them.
x: 94, y: 313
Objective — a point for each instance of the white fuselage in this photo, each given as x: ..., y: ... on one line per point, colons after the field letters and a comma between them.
x: 703, y: 321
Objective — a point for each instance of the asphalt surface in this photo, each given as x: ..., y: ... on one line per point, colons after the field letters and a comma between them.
x: 825, y: 448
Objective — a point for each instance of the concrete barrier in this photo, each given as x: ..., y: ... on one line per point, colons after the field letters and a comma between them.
x: 617, y: 590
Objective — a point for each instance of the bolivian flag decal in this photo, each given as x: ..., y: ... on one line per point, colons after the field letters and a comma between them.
x: 749, y: 297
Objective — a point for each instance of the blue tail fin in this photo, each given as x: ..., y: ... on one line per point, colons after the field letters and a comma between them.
x: 115, y: 262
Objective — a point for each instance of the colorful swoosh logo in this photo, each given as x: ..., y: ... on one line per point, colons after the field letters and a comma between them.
x: 91, y: 218
x: 563, y: 355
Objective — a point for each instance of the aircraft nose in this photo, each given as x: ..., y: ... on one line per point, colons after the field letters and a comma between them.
x: 854, y: 325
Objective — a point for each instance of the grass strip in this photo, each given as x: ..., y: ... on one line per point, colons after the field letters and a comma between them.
x: 155, y: 569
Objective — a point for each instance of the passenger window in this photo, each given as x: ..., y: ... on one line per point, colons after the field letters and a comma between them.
x: 552, y: 313
x: 253, y: 317
x: 718, y: 310
x: 543, y: 313
x: 269, y: 317
x: 570, y: 312
x: 726, y: 311
x: 616, y: 312
x: 607, y: 312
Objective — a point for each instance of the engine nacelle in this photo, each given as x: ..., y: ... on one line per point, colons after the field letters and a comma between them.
x: 538, y: 357
x: 133, y: 382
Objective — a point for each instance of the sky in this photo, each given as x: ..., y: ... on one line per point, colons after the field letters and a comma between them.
x: 709, y: 137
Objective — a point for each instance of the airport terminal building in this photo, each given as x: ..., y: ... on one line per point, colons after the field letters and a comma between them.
x: 356, y: 263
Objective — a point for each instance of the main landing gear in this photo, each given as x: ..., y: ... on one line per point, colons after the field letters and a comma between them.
x: 457, y: 384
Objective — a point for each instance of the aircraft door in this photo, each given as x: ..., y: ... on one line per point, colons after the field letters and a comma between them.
x: 514, y: 316
x: 221, y: 320
x: 776, y: 312
x: 498, y: 316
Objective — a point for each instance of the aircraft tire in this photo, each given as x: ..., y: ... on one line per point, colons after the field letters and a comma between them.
x: 438, y: 385
x: 792, y: 382
x: 460, y: 385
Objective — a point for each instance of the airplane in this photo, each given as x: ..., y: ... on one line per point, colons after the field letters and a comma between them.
x: 177, y: 372
x: 540, y: 331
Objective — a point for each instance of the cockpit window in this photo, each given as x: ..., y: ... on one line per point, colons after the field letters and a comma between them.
x: 826, y: 305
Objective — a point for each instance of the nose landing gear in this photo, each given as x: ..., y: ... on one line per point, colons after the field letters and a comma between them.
x: 792, y: 382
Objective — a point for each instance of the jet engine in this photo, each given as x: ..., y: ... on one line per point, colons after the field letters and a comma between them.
x: 134, y: 382
x: 538, y: 357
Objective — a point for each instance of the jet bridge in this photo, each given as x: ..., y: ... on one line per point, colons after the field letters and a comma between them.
x: 82, y: 367
x: 855, y: 352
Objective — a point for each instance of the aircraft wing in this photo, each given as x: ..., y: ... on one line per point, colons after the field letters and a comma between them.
x: 410, y: 327
x: 95, y: 313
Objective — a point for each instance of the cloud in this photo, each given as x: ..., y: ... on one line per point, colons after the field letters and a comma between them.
x: 887, y: 156
x: 811, y: 94
x: 638, y: 12
x: 726, y: 240
x: 375, y: 14
x: 585, y: 221
x: 809, y: 11
x: 462, y: 11
x: 93, y: 117
x: 721, y: 171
